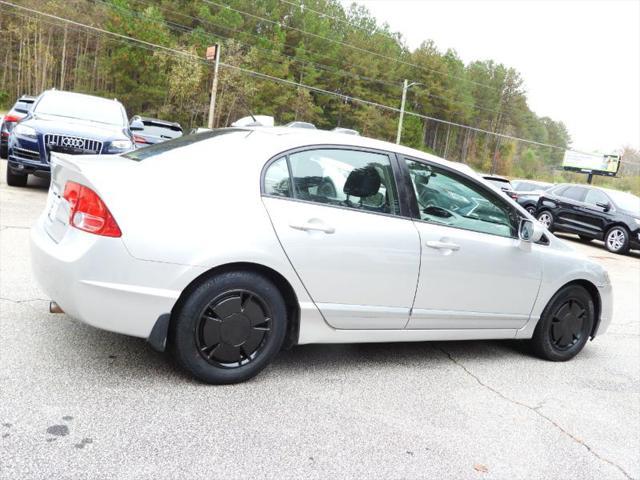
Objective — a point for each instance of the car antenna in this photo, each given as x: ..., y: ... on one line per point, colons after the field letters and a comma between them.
x: 246, y: 107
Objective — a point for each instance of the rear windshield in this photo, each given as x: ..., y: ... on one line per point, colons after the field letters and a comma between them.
x: 23, y: 106
x: 162, y: 131
x: 499, y: 182
x: 160, y: 148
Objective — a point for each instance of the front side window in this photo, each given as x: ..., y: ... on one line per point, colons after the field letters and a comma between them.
x: 344, y: 178
x: 452, y: 200
x: 595, y: 197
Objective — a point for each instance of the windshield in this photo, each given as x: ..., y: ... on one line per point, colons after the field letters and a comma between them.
x: 81, y: 107
x: 625, y: 201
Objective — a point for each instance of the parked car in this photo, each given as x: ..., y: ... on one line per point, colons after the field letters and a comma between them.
x: 149, y: 131
x: 65, y: 122
x: 593, y: 213
x: 529, y: 192
x: 13, y: 116
x: 255, y: 253
x: 503, y: 184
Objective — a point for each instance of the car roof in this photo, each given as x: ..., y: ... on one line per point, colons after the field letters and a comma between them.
x: 278, y: 139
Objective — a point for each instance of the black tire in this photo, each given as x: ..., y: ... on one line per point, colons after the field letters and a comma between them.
x: 546, y: 218
x: 565, y: 326
x: 617, y: 240
x: 229, y: 328
x: 531, y: 209
x: 585, y: 239
x: 16, y: 179
x: 4, y: 151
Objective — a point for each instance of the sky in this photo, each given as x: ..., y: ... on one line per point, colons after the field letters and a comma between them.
x: 580, y: 59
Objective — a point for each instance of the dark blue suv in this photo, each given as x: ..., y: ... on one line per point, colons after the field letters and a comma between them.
x: 65, y: 122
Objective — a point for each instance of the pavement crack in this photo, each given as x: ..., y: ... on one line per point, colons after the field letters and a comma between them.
x: 537, y: 411
x: 28, y: 300
x: 19, y: 227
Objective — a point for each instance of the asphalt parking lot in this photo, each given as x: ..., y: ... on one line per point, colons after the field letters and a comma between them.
x: 76, y: 402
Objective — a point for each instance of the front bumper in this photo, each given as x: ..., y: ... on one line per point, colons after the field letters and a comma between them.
x: 95, y: 280
x: 27, y: 156
x: 606, y: 309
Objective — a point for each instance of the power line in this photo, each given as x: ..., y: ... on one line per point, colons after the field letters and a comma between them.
x: 265, y: 76
x: 272, y: 52
x: 303, y: 7
x: 348, y: 45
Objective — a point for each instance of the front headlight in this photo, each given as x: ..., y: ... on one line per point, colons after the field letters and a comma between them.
x: 25, y: 132
x: 120, y: 145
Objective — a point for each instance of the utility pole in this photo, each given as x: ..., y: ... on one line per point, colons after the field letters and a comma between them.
x: 213, y: 53
x: 405, y: 86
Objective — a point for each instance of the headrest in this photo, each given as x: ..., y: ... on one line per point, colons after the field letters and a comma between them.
x: 362, y: 182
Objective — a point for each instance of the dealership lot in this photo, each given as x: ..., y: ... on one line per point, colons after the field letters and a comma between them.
x: 76, y: 402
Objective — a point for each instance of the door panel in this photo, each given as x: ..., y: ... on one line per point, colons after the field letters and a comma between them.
x: 474, y: 273
x: 487, y: 282
x: 361, y: 269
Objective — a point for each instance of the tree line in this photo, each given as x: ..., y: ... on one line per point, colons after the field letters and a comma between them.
x: 320, y: 44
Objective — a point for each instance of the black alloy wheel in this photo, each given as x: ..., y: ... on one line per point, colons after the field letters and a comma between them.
x: 228, y: 327
x: 565, y: 325
x: 233, y: 328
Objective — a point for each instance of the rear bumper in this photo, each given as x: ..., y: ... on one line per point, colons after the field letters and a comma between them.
x: 95, y: 280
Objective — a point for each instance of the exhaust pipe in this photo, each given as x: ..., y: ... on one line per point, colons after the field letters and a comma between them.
x: 55, y: 308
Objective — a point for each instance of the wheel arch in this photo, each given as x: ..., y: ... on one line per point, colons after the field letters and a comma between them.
x: 283, y: 285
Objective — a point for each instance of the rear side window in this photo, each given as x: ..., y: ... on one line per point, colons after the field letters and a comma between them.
x: 276, y: 179
x: 574, y: 193
x: 558, y: 190
x: 336, y: 177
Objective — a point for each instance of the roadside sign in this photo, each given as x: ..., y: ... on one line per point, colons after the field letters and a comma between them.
x: 591, y: 163
x: 211, y: 52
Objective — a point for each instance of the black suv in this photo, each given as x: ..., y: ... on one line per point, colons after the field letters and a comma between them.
x: 593, y: 213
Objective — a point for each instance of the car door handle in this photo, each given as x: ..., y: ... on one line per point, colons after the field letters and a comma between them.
x: 312, y: 226
x: 443, y: 245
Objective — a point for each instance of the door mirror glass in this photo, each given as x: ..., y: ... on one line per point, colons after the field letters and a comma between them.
x: 530, y: 230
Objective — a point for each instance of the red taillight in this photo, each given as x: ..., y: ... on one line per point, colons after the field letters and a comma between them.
x: 139, y: 139
x: 12, y: 118
x: 88, y: 212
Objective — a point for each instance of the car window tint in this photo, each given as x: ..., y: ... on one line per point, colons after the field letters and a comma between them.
x: 574, y: 193
x: 276, y: 179
x: 345, y: 178
x: 449, y: 199
x: 594, y: 197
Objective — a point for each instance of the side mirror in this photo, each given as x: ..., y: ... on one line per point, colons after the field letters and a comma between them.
x: 136, y: 125
x: 606, y: 206
x: 530, y: 230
